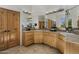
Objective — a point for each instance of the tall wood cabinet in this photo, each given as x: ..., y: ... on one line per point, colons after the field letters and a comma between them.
x: 49, y: 24
x: 13, y: 28
x: 3, y: 27
x: 9, y: 28
x: 41, y: 24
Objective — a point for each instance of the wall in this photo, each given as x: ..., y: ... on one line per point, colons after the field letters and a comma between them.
x: 37, y: 10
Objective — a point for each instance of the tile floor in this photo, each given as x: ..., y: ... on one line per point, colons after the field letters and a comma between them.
x: 32, y: 49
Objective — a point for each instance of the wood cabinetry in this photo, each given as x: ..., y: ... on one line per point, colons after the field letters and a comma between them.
x: 53, y: 39
x: 60, y: 43
x: 28, y: 38
x: 3, y: 41
x: 3, y: 27
x: 49, y: 24
x: 50, y: 38
x: 38, y: 36
x: 13, y: 28
x: 45, y: 38
x: 72, y: 48
x: 66, y: 45
x: 41, y: 24
x: 9, y: 28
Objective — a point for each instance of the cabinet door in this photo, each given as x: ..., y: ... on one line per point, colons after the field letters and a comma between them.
x: 45, y: 38
x: 12, y: 30
x: 3, y: 27
x: 3, y: 19
x: 60, y: 44
x: 3, y: 40
x: 12, y: 39
x: 45, y: 35
x: 27, y: 38
x: 50, y: 39
x: 49, y: 24
x: 17, y: 26
x: 41, y: 24
x: 38, y: 37
x: 71, y: 48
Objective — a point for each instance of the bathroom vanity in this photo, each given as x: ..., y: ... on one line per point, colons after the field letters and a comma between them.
x: 62, y: 41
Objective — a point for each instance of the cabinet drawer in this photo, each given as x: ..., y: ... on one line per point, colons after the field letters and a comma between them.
x: 28, y: 38
x: 28, y: 43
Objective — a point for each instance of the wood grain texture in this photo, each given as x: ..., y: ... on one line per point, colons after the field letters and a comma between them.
x: 41, y: 24
x: 50, y: 38
x: 28, y: 38
x: 49, y: 24
x: 13, y: 28
x: 9, y: 28
x: 60, y: 44
x: 38, y: 37
x: 72, y: 48
x: 3, y: 27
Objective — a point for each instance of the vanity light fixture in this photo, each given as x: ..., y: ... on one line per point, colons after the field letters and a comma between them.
x: 55, y: 11
x: 26, y: 12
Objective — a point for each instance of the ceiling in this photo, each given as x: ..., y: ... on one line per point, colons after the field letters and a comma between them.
x: 36, y: 9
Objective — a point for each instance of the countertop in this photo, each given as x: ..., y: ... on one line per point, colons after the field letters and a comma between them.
x: 40, y: 30
x: 70, y: 37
